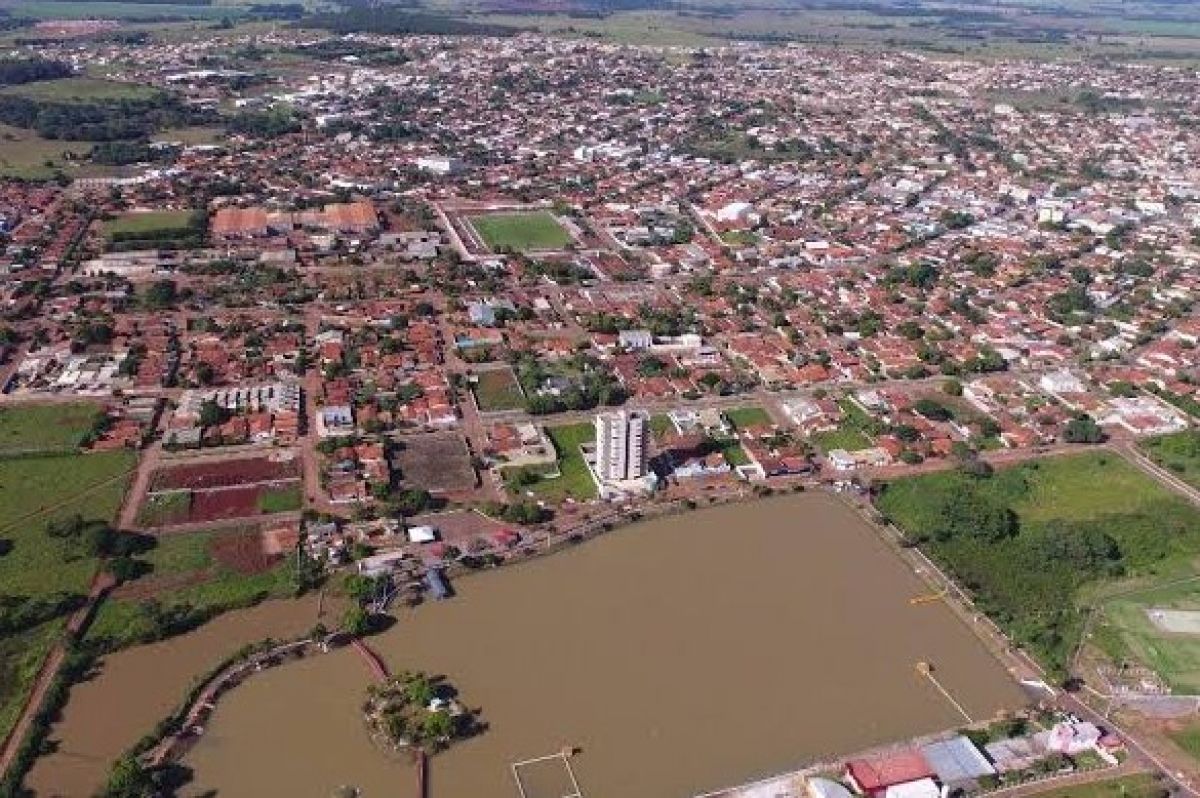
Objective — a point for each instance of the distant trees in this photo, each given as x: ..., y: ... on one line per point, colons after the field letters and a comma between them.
x: 15, y: 71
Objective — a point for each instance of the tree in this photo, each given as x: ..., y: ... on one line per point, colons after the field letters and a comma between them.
x: 413, y: 501
x: 356, y: 620
x: 161, y: 294
x: 932, y: 410
x: 129, y: 779
x: 211, y: 413
x: 1083, y: 429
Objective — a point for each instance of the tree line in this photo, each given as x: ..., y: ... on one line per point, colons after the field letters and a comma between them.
x: 16, y: 71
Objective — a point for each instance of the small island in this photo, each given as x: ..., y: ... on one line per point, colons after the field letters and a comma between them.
x: 415, y: 712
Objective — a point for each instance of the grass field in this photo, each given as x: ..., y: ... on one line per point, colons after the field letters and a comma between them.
x: 1141, y: 785
x: 34, y: 490
x: 81, y: 89
x: 1179, y: 453
x: 105, y: 9
x: 280, y: 500
x: 193, y: 583
x: 25, y: 154
x: 498, y: 390
x: 163, y: 509
x: 851, y: 432
x: 743, y: 417
x: 521, y: 231
x: 149, y: 223
x: 575, y: 480
x: 1084, y: 526
x: 734, y: 454
x: 1188, y: 738
x: 45, y: 428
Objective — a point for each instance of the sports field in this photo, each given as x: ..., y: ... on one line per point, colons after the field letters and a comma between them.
x: 1156, y: 627
x: 518, y: 232
x: 149, y: 223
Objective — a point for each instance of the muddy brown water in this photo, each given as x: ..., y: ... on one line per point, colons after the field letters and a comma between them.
x: 134, y: 689
x: 680, y: 655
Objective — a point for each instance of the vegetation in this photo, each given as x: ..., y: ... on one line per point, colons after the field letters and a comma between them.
x: 575, y: 479
x: 184, y: 587
x: 498, y: 390
x: 396, y: 21
x: 1123, y: 630
x: 743, y: 417
x: 413, y: 710
x: 15, y: 71
x: 21, y: 656
x: 518, y: 232
x: 280, y: 500
x: 1179, y: 453
x: 1026, y: 540
x: 47, y: 428
x: 1141, y: 785
x: 157, y: 230
x: 83, y: 109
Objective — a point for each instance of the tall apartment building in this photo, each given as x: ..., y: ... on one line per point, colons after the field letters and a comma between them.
x: 621, y: 451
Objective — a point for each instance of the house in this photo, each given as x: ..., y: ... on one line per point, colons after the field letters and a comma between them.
x: 874, y: 775
x: 335, y: 420
x: 957, y: 763
x: 635, y: 339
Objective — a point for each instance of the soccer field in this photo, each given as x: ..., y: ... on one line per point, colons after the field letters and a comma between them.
x: 519, y: 232
x: 1157, y: 627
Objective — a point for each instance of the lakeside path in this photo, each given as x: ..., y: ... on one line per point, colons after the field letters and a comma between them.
x: 101, y: 584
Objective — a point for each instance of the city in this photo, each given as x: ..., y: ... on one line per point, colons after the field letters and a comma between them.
x: 835, y: 406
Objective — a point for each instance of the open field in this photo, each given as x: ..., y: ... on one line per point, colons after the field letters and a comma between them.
x: 25, y: 154
x: 280, y: 500
x: 80, y: 89
x: 149, y: 224
x: 45, y: 428
x: 751, y: 416
x: 104, y: 9
x: 34, y: 490
x: 575, y: 480
x: 520, y: 231
x: 1188, y: 738
x: 498, y: 390
x: 1032, y: 541
x: 194, y: 576
x: 1131, y: 31
x: 438, y: 463
x: 1178, y: 453
x: 224, y: 474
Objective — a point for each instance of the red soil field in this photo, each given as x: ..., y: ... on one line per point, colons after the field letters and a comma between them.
x: 215, y: 505
x: 223, y: 474
x: 243, y: 551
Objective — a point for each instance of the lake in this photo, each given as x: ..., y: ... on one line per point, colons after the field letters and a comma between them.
x: 679, y: 655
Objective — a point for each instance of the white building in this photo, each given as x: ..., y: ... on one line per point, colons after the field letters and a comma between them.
x: 621, y: 450
x: 440, y: 165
